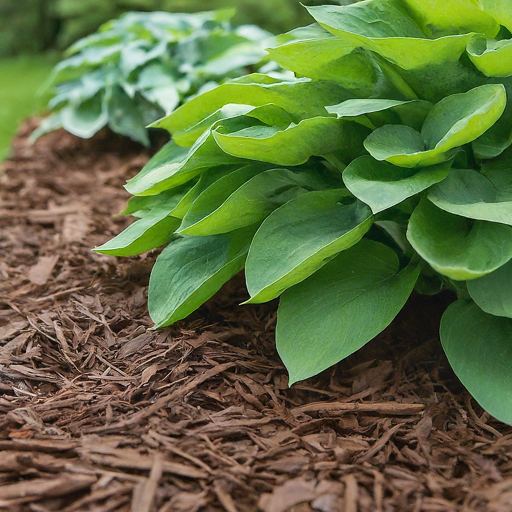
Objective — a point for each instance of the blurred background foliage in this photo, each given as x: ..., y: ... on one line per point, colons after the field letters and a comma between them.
x: 33, y: 33
x: 33, y: 26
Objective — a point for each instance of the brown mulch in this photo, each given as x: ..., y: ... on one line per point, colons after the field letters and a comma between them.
x: 99, y: 414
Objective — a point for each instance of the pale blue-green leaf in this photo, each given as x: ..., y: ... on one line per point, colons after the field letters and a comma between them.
x: 340, y: 308
x: 478, y: 348
x: 493, y: 292
x: 190, y: 270
x: 382, y: 185
x: 459, y: 248
x: 86, y: 119
x: 309, y: 230
x: 124, y: 117
x: 483, y: 196
x: 234, y: 58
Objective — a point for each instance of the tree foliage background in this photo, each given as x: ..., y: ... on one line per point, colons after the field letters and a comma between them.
x: 31, y: 26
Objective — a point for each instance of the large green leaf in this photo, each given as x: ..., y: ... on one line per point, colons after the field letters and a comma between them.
x: 309, y: 231
x: 340, y: 308
x: 248, y: 196
x: 382, y: 185
x: 174, y: 165
x: 457, y: 247
x: 479, y: 350
x: 443, y: 17
x: 453, y: 122
x: 500, y: 10
x: 499, y: 137
x: 301, y: 97
x: 316, y: 136
x: 141, y: 206
x: 206, y: 179
x: 385, y: 27
x: 491, y: 57
x: 330, y: 58
x: 493, y: 292
x: 148, y: 233
x: 189, y: 136
x: 483, y: 196
x: 190, y: 270
x: 377, y: 112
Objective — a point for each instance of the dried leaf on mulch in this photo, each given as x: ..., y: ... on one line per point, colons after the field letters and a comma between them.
x: 98, y: 413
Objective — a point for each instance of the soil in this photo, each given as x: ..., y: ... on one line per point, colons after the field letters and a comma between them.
x: 100, y: 414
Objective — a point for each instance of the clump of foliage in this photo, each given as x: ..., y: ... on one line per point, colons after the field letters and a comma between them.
x: 138, y: 68
x: 384, y: 167
x: 81, y: 17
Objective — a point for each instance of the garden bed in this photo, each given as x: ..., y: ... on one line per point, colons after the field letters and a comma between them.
x: 98, y: 413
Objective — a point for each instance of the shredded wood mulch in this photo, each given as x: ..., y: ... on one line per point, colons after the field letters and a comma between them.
x: 97, y: 413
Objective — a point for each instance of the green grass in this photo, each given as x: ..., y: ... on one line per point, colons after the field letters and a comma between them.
x: 21, y: 80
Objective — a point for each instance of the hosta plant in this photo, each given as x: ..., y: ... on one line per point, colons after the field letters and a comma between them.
x: 383, y: 167
x: 139, y: 67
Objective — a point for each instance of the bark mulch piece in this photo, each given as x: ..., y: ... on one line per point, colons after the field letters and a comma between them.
x: 99, y: 414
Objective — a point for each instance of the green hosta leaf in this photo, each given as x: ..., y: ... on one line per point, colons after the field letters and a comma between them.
x: 383, y: 26
x: 340, y: 308
x: 479, y: 351
x: 330, y: 58
x: 453, y: 122
x: 148, y: 233
x: 300, y: 97
x: 359, y: 107
x: 309, y: 230
x: 174, y: 165
x: 190, y: 270
x: 248, y: 196
x: 499, y: 137
x: 457, y: 247
x: 442, y: 17
x: 141, y: 206
x: 85, y: 119
x: 197, y: 219
x: 492, y: 58
x: 483, y: 196
x: 206, y: 179
x: 493, y: 292
x: 316, y: 136
x: 411, y: 113
x: 500, y: 10
x: 189, y: 136
x: 382, y: 185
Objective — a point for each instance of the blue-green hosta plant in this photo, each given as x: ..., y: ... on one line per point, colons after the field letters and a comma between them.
x: 384, y: 166
x: 140, y: 67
